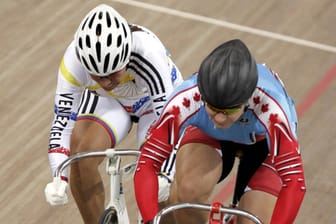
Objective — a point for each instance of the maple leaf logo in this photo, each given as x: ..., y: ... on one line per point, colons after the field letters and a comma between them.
x: 264, y: 108
x: 175, y: 110
x: 197, y: 97
x: 186, y: 102
x: 273, y: 118
x: 256, y: 100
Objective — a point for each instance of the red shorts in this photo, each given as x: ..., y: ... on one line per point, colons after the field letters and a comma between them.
x: 194, y: 135
x: 265, y: 178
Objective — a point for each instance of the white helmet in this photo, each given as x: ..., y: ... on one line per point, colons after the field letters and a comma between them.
x: 103, y: 41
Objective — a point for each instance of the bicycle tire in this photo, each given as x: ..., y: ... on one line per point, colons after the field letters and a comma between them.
x: 109, y: 216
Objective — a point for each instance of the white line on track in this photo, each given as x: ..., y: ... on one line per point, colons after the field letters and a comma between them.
x: 229, y: 25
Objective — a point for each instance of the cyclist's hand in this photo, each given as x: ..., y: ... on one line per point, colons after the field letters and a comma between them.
x: 164, y: 187
x: 55, y: 192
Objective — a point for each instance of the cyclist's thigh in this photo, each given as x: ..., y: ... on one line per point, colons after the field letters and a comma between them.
x: 101, y: 123
x: 198, y: 164
x: 261, y: 194
x: 258, y: 203
x: 197, y: 161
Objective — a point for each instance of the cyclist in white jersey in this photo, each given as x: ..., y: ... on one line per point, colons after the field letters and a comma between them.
x: 112, y: 75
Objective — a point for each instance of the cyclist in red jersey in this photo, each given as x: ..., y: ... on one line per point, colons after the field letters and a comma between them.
x: 232, y: 108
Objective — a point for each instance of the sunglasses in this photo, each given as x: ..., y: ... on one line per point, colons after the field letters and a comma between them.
x: 226, y: 111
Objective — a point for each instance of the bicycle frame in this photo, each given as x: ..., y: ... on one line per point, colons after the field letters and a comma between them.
x: 216, y: 210
x: 117, y: 200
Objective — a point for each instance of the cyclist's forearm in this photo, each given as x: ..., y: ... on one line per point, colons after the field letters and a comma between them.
x: 146, y: 189
x: 154, y: 152
x: 56, y: 157
x: 289, y: 200
x: 288, y: 164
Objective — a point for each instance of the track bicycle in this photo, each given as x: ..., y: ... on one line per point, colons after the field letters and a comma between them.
x: 116, y: 210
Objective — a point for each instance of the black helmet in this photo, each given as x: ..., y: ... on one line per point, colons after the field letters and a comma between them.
x: 228, y: 75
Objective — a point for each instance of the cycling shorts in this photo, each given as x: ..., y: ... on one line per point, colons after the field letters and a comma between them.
x: 113, y: 116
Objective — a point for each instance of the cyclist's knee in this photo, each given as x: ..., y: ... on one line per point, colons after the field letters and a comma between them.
x: 85, y: 173
x: 258, y: 203
x: 89, y: 135
x: 192, y: 190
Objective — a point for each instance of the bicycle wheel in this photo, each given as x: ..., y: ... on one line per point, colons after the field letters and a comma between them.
x: 109, y: 216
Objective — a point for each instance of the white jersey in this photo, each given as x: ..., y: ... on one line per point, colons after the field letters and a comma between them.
x: 151, y: 77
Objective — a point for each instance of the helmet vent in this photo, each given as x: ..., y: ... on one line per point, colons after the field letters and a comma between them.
x: 119, y: 41
x: 98, y: 29
x: 125, y: 32
x: 92, y: 19
x: 98, y: 51
x: 85, y: 23
x: 126, y: 52
x: 109, y: 40
x: 123, y: 54
x: 116, y: 22
x: 93, y: 63
x: 86, y: 64
x: 100, y: 15
x: 87, y: 41
x: 108, y: 20
x: 77, y: 54
x: 80, y: 43
x: 106, y: 62
x: 115, y: 62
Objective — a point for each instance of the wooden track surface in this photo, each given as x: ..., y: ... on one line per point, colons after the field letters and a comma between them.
x: 34, y: 34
